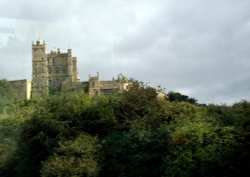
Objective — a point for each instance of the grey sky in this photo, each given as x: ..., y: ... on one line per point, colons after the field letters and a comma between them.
x: 197, y: 47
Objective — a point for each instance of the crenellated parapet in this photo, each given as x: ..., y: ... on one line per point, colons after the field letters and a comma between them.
x: 57, y: 71
x: 52, y: 70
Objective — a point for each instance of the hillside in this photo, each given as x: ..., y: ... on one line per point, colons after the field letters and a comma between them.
x: 127, y: 135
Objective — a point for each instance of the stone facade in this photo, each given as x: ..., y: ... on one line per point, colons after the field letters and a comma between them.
x: 58, y: 72
x: 52, y: 72
x: 22, y: 89
x: 106, y: 87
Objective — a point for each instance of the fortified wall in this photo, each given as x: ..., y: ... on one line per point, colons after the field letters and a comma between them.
x: 106, y: 87
x: 57, y: 71
x: 22, y: 88
x: 51, y: 72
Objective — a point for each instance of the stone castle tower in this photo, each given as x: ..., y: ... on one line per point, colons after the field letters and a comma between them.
x: 52, y: 72
x: 57, y: 72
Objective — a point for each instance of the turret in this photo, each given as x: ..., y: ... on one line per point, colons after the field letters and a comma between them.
x: 39, y: 69
x: 94, y: 87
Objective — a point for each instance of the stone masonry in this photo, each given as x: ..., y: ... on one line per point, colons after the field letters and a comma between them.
x: 107, y: 87
x: 22, y: 89
x: 52, y: 72
x: 57, y: 72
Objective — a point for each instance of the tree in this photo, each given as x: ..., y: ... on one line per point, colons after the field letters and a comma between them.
x: 129, y: 134
x: 73, y: 158
x: 200, y: 149
x: 134, y: 153
x: 6, y: 93
x: 176, y: 96
x: 140, y: 102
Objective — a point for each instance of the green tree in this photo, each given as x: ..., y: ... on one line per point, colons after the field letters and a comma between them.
x: 176, y: 96
x: 6, y: 94
x: 129, y: 134
x: 58, y: 118
x: 134, y: 153
x: 73, y: 158
x: 199, y: 149
x: 140, y: 102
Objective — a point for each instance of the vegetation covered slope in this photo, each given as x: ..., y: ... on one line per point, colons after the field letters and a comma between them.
x: 134, y: 134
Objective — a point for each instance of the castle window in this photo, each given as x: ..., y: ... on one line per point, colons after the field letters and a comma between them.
x: 57, y: 70
x: 50, y: 61
x: 50, y: 70
x: 93, y: 84
x: 65, y: 70
x: 57, y: 83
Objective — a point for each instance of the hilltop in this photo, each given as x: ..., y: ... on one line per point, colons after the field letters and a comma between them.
x: 129, y: 134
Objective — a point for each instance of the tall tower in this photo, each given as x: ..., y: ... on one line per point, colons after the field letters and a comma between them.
x: 39, y: 69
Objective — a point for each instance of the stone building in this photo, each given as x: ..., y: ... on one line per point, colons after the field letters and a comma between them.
x: 106, y: 87
x: 52, y: 72
x: 57, y: 72
x: 22, y: 89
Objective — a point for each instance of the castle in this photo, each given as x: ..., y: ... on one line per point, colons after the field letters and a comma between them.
x: 57, y: 72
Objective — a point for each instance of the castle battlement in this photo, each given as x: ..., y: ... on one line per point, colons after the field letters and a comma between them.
x: 57, y: 72
x: 52, y: 71
x: 38, y: 42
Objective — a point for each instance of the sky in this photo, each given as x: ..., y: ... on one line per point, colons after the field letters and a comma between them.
x: 200, y: 48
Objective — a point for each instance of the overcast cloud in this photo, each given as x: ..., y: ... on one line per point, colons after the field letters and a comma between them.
x: 197, y: 47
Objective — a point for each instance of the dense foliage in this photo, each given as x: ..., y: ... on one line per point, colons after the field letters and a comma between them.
x: 134, y: 134
x: 6, y: 94
x: 176, y: 96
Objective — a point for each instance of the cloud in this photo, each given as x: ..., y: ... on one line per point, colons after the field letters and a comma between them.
x: 200, y: 48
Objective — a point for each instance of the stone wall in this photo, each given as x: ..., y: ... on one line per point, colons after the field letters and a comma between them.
x: 58, y: 72
x: 22, y: 89
x: 39, y: 69
x: 52, y: 72
x: 106, y: 87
